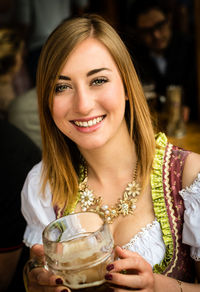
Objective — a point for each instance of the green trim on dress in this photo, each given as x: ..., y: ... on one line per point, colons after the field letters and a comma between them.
x: 159, y: 201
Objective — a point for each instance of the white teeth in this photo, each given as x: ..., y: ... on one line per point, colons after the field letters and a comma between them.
x: 89, y: 123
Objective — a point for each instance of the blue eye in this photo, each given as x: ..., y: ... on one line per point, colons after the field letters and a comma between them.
x: 99, y: 81
x: 61, y: 87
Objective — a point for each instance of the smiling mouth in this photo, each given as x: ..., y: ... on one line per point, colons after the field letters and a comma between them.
x: 89, y: 123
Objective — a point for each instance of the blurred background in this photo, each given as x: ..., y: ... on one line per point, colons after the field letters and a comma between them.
x: 163, y: 39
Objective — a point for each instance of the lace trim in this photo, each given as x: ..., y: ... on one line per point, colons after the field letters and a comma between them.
x: 196, y: 258
x: 159, y: 201
x: 140, y: 234
x: 191, y: 188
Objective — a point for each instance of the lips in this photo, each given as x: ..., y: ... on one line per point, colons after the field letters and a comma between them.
x: 88, y: 123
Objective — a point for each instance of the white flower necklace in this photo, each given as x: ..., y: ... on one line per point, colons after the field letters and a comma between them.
x: 125, y: 205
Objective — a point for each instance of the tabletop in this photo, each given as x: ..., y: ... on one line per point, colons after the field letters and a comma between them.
x: 191, y: 140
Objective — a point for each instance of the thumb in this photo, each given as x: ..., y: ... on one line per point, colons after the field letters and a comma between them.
x: 37, y: 252
x: 123, y: 253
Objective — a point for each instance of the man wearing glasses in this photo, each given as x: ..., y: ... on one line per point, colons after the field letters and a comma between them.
x: 162, y: 56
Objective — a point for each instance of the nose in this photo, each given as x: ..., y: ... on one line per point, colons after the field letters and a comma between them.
x: 157, y: 34
x: 83, y: 100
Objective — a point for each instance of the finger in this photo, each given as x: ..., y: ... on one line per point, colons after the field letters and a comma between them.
x: 37, y: 288
x: 138, y: 274
x: 129, y: 261
x: 131, y: 281
x: 134, y: 265
x: 46, y: 278
x: 124, y: 253
x: 119, y: 289
x: 62, y: 289
x: 37, y: 252
x: 43, y: 277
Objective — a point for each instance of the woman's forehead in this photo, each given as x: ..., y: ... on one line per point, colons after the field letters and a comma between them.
x: 90, y: 54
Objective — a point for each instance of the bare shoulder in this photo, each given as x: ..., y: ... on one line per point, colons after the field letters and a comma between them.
x: 191, y: 169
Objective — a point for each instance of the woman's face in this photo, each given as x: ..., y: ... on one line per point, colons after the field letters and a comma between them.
x: 89, y: 100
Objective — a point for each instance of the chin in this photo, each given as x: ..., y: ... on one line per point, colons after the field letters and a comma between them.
x: 91, y: 145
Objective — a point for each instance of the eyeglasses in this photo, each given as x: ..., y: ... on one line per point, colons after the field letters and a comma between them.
x: 157, y: 26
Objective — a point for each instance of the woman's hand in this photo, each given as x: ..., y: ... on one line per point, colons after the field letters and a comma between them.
x: 38, y: 278
x: 130, y: 271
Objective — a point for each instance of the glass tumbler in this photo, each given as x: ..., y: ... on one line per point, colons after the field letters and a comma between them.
x: 78, y: 247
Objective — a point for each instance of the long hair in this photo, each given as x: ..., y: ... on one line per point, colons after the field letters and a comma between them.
x: 60, y: 155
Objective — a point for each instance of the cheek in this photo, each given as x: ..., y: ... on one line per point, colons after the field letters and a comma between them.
x: 168, y: 34
x: 115, y: 99
x: 147, y: 39
x: 60, y: 111
x: 59, y: 114
x: 59, y: 107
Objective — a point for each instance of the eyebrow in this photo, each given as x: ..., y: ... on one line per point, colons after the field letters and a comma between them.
x: 94, y: 71
x: 62, y: 77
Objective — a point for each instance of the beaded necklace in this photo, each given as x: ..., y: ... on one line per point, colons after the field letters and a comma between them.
x: 124, y: 206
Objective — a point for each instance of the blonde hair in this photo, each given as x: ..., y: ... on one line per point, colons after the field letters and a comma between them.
x: 60, y: 155
x: 10, y: 45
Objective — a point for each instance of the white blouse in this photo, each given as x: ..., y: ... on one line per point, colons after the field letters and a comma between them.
x: 38, y: 212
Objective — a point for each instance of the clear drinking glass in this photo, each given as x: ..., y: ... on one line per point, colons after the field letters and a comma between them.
x: 78, y: 247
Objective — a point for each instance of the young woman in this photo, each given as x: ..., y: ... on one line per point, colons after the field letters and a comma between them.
x: 98, y: 141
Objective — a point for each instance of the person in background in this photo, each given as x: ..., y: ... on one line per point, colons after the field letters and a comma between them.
x: 11, y: 52
x: 100, y: 153
x: 6, y: 12
x: 163, y: 56
x: 38, y: 19
x: 23, y: 113
x: 18, y: 154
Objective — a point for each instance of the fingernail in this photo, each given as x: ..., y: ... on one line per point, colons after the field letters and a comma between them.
x: 110, y: 267
x: 108, y: 277
x: 59, y: 281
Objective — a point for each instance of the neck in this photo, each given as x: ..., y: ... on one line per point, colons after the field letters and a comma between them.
x: 158, y: 53
x: 114, y: 160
